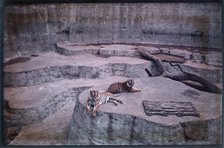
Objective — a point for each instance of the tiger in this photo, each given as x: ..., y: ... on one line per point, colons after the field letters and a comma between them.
x: 119, y: 87
x: 96, y: 99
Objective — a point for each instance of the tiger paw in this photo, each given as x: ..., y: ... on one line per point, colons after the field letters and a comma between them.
x: 94, y: 114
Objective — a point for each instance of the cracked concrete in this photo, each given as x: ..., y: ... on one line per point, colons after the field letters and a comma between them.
x: 40, y: 116
x: 207, y: 64
x: 22, y: 117
x: 46, y: 112
x: 138, y: 128
x: 36, y: 71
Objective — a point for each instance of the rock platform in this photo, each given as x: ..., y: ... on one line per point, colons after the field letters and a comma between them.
x: 127, y: 123
x: 46, y: 95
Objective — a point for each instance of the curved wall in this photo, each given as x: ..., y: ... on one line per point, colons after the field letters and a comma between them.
x: 34, y: 28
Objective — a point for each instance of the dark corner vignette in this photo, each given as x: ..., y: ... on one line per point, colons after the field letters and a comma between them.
x: 12, y: 2
x: 1, y: 73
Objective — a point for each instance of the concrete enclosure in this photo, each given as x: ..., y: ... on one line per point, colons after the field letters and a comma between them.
x: 33, y: 28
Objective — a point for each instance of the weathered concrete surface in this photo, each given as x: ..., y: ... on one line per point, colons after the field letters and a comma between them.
x: 127, y: 123
x: 210, y: 72
x: 208, y: 57
x: 51, y: 67
x: 35, y: 103
x: 68, y: 49
x: 45, y: 110
x: 26, y: 116
x: 34, y: 96
x: 49, y: 131
x: 207, y: 64
x: 29, y: 28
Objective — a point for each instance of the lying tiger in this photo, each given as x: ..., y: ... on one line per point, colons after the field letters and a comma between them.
x: 96, y: 99
x: 119, y: 87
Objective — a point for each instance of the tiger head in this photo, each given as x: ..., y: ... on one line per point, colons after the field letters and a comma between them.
x: 94, y: 94
x: 130, y: 83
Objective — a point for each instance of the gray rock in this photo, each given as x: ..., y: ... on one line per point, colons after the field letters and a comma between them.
x: 38, y: 113
x: 40, y: 27
x: 180, y: 52
x: 66, y: 48
x: 46, y: 68
x: 165, y: 50
x: 209, y: 72
x: 127, y: 124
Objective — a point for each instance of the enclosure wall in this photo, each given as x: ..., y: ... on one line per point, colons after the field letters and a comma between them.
x: 34, y: 28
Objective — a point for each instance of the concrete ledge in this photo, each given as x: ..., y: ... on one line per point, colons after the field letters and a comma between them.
x: 45, y: 110
x: 68, y: 49
x: 210, y: 72
x: 127, y: 123
x: 52, y: 67
x: 204, y: 63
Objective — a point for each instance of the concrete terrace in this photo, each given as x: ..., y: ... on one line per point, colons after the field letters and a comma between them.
x: 43, y: 91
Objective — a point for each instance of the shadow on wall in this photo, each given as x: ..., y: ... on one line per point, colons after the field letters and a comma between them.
x: 33, y: 28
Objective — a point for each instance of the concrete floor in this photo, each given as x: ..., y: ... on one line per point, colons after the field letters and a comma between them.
x: 42, y: 91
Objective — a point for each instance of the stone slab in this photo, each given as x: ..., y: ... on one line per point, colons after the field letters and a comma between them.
x: 68, y: 49
x: 53, y: 129
x: 50, y: 131
x: 170, y: 58
x: 166, y: 108
x: 52, y: 59
x: 180, y: 52
x: 210, y: 72
x: 138, y: 128
x: 208, y: 56
x: 34, y: 96
x: 53, y: 67
x: 106, y: 50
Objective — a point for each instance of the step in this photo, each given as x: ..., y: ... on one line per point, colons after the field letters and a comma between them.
x: 51, y: 130
x: 209, y: 57
x: 34, y: 96
x: 34, y: 103
x: 209, y: 72
x: 68, y: 49
x: 187, y: 54
x: 203, y: 55
x: 127, y: 123
x: 106, y: 50
x: 198, y: 86
x: 51, y: 67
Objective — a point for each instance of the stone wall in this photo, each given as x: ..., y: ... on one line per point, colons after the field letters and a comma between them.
x: 34, y: 28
